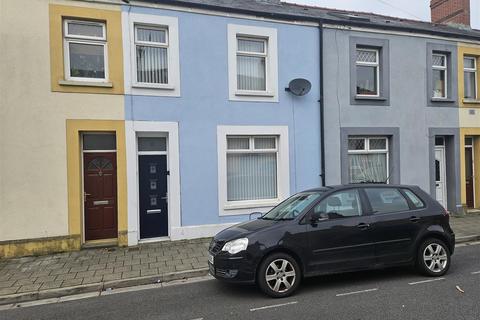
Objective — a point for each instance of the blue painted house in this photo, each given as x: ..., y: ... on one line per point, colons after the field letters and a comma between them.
x: 211, y: 133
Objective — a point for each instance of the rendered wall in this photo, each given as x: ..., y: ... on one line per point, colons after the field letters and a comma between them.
x: 33, y: 162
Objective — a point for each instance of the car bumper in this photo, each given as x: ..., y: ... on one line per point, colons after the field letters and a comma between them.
x: 236, y: 268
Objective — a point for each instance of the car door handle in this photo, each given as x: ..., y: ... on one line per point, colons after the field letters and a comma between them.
x: 414, y: 219
x: 363, y: 226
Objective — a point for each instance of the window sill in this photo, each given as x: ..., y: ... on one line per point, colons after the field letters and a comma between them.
x: 254, y: 94
x: 85, y: 84
x: 471, y: 101
x: 155, y: 87
x: 442, y: 100
x: 250, y: 204
x: 370, y: 98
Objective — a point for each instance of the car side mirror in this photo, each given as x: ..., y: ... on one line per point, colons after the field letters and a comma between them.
x: 255, y: 215
x: 318, y: 216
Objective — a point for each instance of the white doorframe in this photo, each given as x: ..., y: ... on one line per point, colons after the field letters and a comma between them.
x: 440, y: 155
x: 133, y: 129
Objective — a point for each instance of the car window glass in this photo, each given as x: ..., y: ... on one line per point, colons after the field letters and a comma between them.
x: 293, y: 206
x: 386, y: 200
x: 414, y: 198
x: 340, y: 205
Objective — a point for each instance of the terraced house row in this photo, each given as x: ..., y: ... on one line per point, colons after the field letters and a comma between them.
x: 124, y: 122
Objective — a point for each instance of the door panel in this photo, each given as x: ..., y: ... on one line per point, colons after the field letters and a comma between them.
x: 394, y: 226
x: 469, y: 176
x: 100, y: 195
x: 341, y: 240
x: 153, y: 197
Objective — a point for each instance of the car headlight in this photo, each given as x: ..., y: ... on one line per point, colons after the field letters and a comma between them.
x: 235, y: 246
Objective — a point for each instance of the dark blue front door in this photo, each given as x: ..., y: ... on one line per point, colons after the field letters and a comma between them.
x: 152, y: 173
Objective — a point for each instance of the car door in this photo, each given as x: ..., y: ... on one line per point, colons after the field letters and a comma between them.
x: 395, y: 224
x: 340, y: 239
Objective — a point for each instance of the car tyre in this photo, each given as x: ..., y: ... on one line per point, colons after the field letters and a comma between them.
x: 279, y: 275
x: 433, y: 258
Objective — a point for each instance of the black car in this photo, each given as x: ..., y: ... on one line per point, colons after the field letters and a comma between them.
x: 335, y: 229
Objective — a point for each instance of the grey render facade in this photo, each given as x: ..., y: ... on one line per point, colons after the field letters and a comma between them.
x: 404, y: 112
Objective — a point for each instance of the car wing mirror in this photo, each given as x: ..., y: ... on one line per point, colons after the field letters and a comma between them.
x: 255, y: 215
x: 318, y: 216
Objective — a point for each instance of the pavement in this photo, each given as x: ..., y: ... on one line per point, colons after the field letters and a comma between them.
x: 395, y: 293
x: 98, y: 270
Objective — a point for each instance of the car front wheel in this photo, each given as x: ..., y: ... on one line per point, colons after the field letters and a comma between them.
x: 433, y: 258
x: 279, y: 275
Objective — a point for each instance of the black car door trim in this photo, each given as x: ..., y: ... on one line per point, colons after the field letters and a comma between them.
x: 361, y: 245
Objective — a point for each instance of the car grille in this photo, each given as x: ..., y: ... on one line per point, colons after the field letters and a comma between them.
x: 215, y: 246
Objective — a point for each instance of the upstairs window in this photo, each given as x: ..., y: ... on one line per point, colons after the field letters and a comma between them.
x: 151, y: 50
x: 251, y: 64
x: 470, y: 77
x: 440, y: 75
x: 85, y: 51
x: 368, y: 72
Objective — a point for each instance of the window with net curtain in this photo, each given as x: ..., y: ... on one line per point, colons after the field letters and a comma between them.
x: 252, y: 168
x: 151, y: 49
x: 251, y: 64
x: 368, y: 159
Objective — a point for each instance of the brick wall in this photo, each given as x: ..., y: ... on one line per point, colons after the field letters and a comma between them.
x: 450, y: 11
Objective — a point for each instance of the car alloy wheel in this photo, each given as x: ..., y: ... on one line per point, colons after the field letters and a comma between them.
x: 435, y: 257
x: 280, y: 275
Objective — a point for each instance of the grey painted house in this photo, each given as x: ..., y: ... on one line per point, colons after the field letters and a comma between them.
x: 387, y: 118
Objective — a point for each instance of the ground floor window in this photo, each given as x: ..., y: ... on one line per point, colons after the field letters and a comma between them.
x: 368, y: 159
x: 252, y: 168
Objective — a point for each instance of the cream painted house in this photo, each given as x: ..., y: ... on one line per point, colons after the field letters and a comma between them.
x: 44, y: 115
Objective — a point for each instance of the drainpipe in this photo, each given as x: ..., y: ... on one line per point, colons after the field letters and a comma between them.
x: 322, y: 105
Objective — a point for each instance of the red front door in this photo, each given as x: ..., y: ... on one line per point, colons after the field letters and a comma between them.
x: 100, y: 195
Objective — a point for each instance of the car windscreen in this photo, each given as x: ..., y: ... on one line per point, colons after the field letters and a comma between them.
x: 293, y: 206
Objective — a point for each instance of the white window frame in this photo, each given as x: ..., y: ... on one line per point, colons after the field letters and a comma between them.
x: 471, y: 70
x: 367, y: 150
x: 441, y: 68
x: 269, y: 35
x: 155, y: 45
x: 129, y: 23
x: 263, y: 54
x: 68, y: 38
x: 369, y: 64
x: 226, y: 207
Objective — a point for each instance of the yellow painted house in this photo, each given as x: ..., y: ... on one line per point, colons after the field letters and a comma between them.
x: 469, y: 118
x: 62, y: 104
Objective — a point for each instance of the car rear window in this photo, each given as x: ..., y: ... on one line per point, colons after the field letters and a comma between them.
x: 417, y: 202
x: 386, y: 200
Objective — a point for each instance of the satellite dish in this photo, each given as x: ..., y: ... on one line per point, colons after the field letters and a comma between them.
x: 299, y: 87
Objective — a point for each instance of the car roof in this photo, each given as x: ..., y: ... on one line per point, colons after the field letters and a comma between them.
x: 358, y: 185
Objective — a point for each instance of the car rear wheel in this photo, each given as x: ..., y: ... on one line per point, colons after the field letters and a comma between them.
x: 279, y: 275
x: 433, y: 258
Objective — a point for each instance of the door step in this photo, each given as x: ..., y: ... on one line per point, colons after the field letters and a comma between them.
x: 104, y: 243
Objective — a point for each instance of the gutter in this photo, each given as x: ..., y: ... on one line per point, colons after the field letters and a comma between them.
x: 322, y: 106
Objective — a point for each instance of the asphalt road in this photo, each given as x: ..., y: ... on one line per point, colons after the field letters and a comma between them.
x: 397, y: 293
